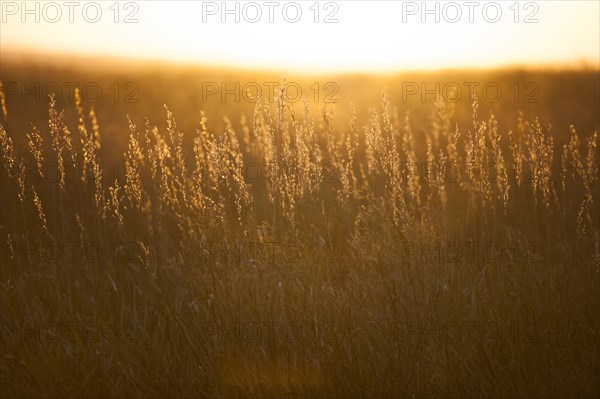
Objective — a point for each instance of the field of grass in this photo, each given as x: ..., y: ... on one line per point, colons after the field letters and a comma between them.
x: 385, y: 245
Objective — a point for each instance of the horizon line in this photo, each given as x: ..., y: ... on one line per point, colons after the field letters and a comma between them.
x: 145, y: 62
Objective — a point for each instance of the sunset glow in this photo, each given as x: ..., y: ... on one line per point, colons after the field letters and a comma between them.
x: 358, y: 35
x: 299, y: 199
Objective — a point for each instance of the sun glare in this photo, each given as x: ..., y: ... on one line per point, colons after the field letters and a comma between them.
x: 330, y: 36
x: 303, y: 199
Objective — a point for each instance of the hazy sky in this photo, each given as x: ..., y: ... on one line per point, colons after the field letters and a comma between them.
x: 358, y: 35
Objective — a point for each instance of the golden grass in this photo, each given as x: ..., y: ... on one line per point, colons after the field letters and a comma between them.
x: 372, y: 261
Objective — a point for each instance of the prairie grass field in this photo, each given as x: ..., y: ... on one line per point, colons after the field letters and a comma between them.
x: 415, y: 235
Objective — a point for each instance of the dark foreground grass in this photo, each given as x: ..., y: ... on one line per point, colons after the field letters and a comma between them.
x: 294, y: 255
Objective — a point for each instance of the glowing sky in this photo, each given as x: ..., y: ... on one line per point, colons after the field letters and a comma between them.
x: 373, y: 35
